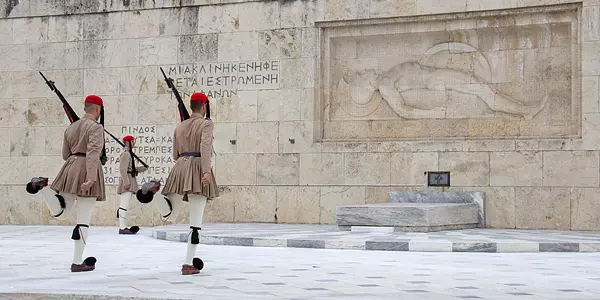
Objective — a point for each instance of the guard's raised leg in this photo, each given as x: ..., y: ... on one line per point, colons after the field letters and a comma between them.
x: 169, y: 206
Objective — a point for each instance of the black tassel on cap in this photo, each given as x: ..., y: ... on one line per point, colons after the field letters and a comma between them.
x: 207, y: 110
x: 195, y: 235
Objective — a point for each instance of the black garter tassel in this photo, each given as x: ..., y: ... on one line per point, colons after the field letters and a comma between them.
x: 195, y: 235
x: 76, y: 235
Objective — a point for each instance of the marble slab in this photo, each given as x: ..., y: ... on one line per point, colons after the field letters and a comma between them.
x: 427, y: 196
x: 405, y: 216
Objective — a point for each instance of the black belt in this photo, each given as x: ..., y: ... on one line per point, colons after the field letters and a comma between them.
x: 78, y: 154
x: 194, y: 154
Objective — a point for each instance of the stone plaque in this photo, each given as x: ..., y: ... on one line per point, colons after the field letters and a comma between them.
x: 153, y: 144
x: 495, y: 74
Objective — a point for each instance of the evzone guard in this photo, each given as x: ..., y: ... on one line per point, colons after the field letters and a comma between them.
x: 127, y: 184
x: 191, y: 179
x: 80, y: 179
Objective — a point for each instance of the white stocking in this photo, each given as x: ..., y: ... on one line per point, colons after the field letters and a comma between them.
x: 51, y: 200
x: 85, y: 206
x: 164, y: 209
x: 197, y: 204
x: 125, y: 197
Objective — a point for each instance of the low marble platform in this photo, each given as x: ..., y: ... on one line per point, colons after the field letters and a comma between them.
x: 429, y: 195
x: 415, y: 217
x: 329, y: 237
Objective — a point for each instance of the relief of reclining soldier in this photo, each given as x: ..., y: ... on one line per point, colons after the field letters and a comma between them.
x: 404, y: 85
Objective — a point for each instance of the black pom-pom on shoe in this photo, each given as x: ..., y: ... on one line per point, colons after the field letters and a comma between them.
x: 134, y: 229
x: 30, y: 189
x: 144, y: 198
x: 90, y: 261
x: 198, y: 263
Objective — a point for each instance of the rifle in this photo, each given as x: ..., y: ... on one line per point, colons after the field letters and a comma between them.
x: 72, y: 115
x: 183, y: 113
x: 123, y: 145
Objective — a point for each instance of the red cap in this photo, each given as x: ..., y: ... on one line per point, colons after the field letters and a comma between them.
x: 128, y: 138
x: 199, y: 97
x: 93, y: 99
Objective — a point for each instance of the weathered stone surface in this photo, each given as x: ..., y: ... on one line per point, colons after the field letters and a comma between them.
x: 236, y: 169
x: 195, y: 48
x: 499, y: 207
x: 584, y: 210
x: 392, y: 8
x: 409, y: 168
x: 407, y: 214
x: 344, y: 10
x: 284, y: 104
x: 331, y: 197
x: 224, y: 133
x: 297, y: 137
x: 102, y: 81
x: 221, y: 209
x: 544, y: 208
x: 466, y: 169
x: 277, y: 169
x: 298, y: 205
x: 280, y: 44
x: 367, y: 168
x: 269, y: 12
x: 238, y: 46
x: 574, y: 168
x: 158, y: 50
x: 17, y: 167
x: 296, y: 14
x: 257, y: 137
x: 254, y: 204
x: 241, y: 107
x: 218, y: 18
x: 27, y: 141
x: 322, y: 169
x: 516, y: 169
x: 23, y: 207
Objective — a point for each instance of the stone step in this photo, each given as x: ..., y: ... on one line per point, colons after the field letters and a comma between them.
x: 418, y: 217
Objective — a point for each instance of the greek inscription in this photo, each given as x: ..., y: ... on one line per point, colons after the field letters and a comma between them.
x: 219, y: 80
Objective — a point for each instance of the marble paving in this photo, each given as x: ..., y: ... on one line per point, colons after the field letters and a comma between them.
x: 34, y: 262
x: 329, y: 237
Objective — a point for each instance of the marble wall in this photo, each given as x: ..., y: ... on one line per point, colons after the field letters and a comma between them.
x: 505, y: 96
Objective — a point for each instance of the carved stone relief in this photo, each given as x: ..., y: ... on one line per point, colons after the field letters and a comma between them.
x: 487, y: 80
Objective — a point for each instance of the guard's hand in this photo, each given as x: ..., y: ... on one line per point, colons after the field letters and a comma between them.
x: 86, y: 186
x: 127, y: 186
x: 206, y: 178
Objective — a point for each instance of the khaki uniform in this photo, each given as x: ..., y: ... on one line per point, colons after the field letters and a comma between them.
x: 192, y: 135
x: 84, y: 137
x: 126, y: 177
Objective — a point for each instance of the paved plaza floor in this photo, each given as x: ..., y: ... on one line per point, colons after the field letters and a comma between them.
x: 329, y: 237
x: 36, y: 259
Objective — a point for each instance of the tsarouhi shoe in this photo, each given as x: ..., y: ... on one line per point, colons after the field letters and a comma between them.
x: 198, y: 265
x: 36, y: 184
x: 89, y: 264
x: 131, y: 230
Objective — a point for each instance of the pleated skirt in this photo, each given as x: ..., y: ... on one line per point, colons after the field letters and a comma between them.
x: 186, y: 178
x: 73, y: 174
